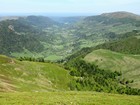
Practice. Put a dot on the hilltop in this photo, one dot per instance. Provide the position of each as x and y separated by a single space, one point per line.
121 14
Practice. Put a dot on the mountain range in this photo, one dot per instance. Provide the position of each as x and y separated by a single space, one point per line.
71 53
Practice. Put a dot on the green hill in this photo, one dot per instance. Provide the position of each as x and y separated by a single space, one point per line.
31 76
129 65
115 18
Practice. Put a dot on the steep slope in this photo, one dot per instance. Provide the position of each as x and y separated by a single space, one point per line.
128 65
24 33
15 36
31 76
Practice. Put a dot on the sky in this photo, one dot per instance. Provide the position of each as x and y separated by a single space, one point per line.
71 7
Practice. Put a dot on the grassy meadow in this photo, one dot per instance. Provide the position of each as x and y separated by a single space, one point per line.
67 98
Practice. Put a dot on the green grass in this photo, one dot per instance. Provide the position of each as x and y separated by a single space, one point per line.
129 65
67 98
32 76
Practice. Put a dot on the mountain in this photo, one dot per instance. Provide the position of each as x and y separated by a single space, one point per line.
116 18
121 14
94 30
24 33
31 76
57 38
40 21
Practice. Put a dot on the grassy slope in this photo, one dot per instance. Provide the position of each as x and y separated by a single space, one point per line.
31 76
129 65
67 98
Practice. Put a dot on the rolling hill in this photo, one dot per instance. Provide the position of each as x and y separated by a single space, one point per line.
31 76
128 65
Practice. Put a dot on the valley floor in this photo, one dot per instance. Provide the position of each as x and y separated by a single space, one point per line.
67 98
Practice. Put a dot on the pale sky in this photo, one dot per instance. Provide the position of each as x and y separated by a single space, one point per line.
68 6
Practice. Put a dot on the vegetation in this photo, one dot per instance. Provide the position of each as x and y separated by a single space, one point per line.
130 45
67 98
128 65
56 40
89 77
36 39
31 59
32 76
16 36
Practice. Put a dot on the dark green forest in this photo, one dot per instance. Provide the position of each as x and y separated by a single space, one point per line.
88 77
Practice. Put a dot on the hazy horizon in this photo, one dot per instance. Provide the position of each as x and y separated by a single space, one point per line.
49 14
66 7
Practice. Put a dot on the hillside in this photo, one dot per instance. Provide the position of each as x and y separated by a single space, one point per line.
130 45
31 76
15 36
95 30
128 65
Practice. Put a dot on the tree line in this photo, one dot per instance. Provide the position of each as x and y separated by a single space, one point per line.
89 77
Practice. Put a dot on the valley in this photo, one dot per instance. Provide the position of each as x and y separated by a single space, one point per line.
58 39
95 59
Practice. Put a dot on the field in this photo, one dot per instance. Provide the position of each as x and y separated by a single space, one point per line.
128 65
67 98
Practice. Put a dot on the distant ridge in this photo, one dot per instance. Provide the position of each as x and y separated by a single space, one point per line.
121 14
